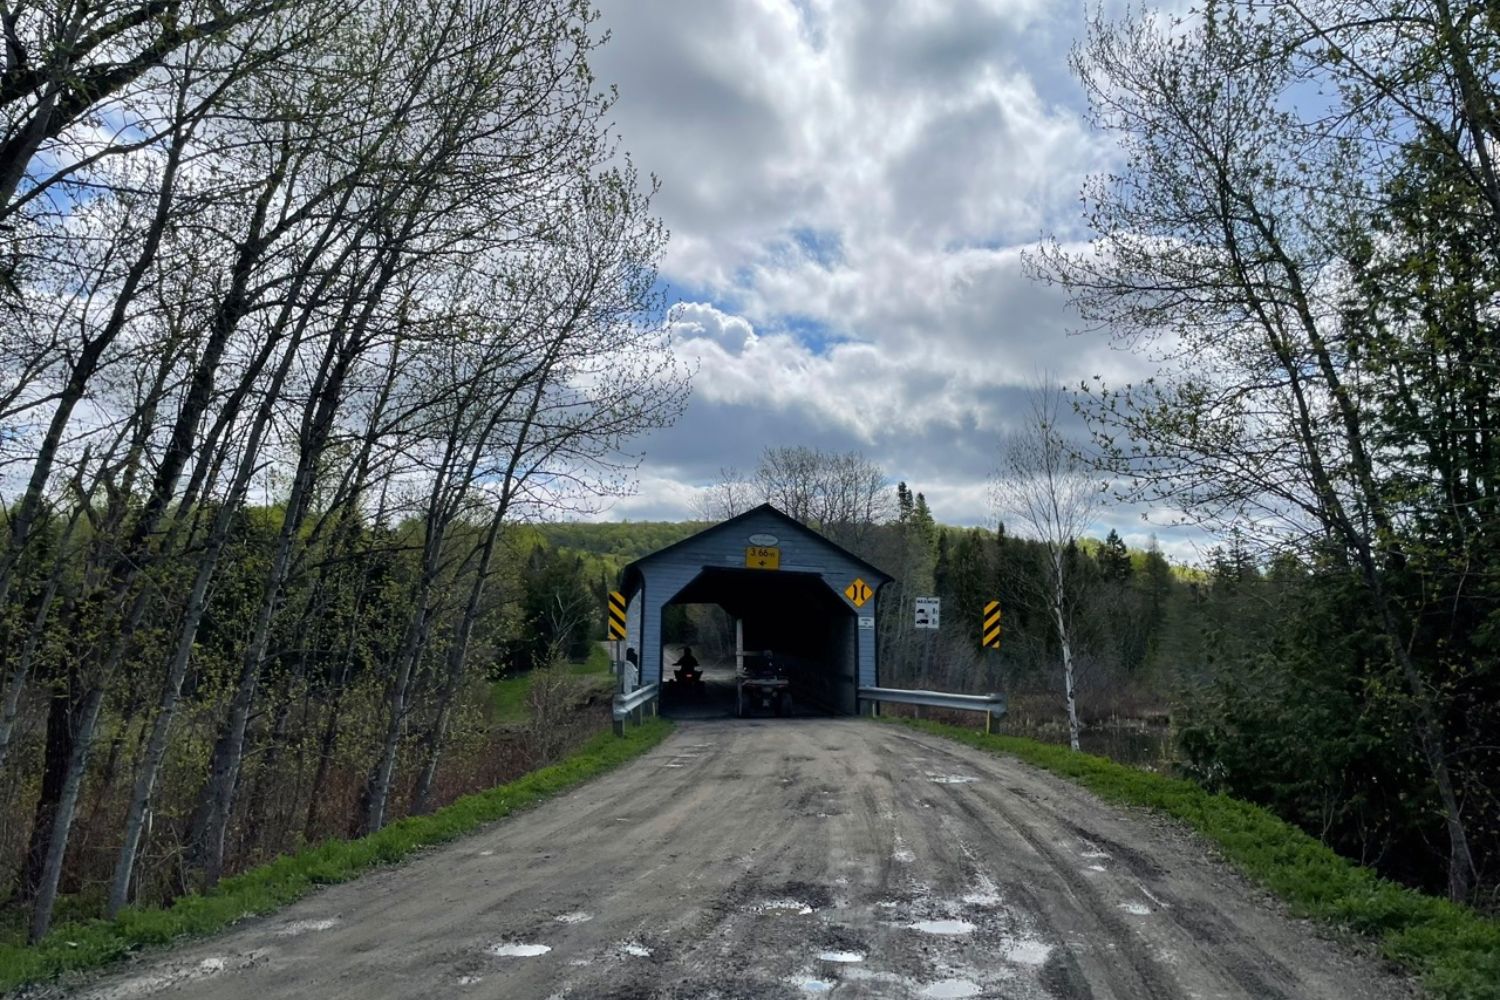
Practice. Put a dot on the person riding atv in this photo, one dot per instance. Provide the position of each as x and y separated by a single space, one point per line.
687 667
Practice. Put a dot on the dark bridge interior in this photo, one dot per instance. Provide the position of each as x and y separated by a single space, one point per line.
794 616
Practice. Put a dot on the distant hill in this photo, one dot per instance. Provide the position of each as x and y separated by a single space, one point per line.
619 542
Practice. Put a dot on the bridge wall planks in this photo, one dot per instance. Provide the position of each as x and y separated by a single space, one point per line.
653 581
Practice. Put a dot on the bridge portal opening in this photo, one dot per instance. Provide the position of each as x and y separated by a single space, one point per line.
789 624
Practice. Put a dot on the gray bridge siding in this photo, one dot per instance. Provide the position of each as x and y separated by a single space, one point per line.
665 574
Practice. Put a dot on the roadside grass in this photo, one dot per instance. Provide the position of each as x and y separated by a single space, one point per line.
88 945
509 696
1454 950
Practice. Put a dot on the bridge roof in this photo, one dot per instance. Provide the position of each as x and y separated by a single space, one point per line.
760 514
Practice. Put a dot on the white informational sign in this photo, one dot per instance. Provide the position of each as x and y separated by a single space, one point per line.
867 623
929 610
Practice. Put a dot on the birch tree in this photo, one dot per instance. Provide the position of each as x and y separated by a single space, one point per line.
1045 487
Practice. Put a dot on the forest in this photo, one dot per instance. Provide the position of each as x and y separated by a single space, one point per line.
305 307
325 329
1269 667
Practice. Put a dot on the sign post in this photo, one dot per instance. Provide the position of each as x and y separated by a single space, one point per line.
928 617
989 641
615 630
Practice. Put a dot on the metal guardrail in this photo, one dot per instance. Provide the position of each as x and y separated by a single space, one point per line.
641 696
992 705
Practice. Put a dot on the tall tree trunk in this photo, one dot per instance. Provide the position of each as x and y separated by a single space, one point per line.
1065 641
378 787
326 744
192 616
1355 536
58 750
15 684
211 818
62 819
453 679
260 796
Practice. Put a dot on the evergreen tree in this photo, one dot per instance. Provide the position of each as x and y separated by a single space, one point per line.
1114 559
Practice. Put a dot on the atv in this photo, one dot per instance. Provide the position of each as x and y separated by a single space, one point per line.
762 684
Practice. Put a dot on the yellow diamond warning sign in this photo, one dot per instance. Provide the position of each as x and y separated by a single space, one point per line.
858 592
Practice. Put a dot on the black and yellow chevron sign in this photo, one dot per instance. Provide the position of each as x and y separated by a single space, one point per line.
616 615
989 633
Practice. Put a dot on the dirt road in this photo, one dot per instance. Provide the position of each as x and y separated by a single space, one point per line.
782 859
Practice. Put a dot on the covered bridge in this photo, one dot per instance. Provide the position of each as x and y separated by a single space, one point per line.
790 589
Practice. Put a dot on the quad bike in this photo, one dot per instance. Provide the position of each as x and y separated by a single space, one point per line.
689 683
763 684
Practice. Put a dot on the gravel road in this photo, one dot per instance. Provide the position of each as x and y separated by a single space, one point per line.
787 858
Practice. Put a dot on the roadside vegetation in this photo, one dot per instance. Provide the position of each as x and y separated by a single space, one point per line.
307 311
87 945
1451 948
513 698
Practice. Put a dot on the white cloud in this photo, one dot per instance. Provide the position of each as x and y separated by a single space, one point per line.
850 185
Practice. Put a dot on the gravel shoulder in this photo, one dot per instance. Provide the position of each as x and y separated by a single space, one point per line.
787 858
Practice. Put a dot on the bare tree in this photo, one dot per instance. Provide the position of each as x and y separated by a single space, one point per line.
1229 247
730 495
337 266
1045 486
843 494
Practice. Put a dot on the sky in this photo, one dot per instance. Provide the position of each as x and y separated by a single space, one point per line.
850 186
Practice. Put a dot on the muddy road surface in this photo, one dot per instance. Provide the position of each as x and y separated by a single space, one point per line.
787 858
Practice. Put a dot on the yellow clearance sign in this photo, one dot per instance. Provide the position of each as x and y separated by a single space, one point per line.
762 557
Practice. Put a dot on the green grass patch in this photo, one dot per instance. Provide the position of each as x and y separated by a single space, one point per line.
1454 949
597 662
510 696
87 945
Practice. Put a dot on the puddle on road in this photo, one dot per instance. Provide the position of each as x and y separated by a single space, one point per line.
948 927
951 779
161 982
635 950
469 980
780 906
1136 909
1096 868
813 985
841 956
576 917
1028 952
517 950
950 989
1094 854
303 926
